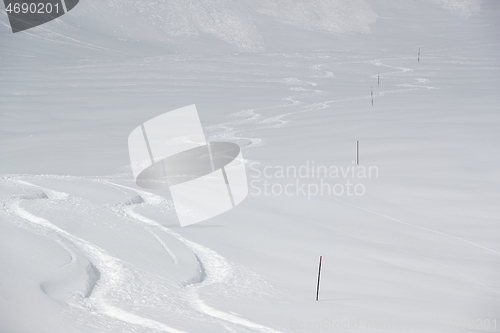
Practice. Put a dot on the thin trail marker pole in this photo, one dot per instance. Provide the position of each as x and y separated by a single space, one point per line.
357 152
372 94
378 81
319 276
419 54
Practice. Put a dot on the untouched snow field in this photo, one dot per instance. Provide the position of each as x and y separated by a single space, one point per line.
412 244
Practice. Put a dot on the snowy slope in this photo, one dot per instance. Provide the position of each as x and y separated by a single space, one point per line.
83 249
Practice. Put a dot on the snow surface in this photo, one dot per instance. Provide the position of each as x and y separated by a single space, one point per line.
83 249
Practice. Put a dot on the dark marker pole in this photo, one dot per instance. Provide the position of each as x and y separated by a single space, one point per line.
419 54
372 94
378 81
357 152
319 276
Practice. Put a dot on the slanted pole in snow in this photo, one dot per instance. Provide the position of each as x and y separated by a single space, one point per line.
319 276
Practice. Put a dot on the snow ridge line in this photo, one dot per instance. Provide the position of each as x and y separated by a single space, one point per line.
110 266
212 263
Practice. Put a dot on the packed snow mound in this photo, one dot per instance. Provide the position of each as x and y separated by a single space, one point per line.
336 16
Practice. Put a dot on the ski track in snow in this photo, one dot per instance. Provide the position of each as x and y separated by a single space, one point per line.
73 257
111 269
399 71
215 267
134 319
165 247
325 74
128 210
202 307
233 130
